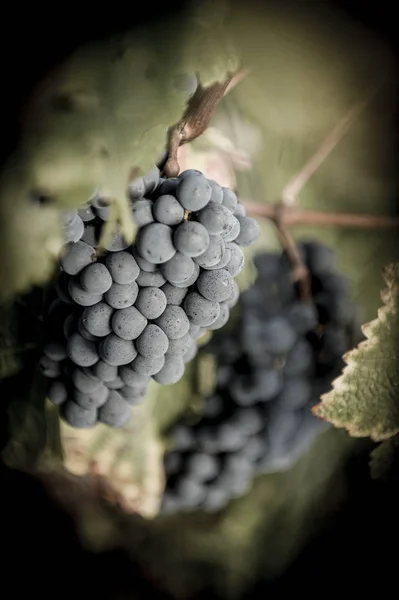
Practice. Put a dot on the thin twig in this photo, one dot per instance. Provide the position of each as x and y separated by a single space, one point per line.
293 216
300 273
293 188
195 121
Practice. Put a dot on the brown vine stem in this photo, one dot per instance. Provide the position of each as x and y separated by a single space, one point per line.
293 216
293 188
195 121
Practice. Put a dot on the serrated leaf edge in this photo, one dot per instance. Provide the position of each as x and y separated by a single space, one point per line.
388 295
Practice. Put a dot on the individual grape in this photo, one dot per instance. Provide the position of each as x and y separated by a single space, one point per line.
50 368
80 296
57 392
217 219
270 384
55 350
191 280
168 210
91 235
86 213
151 180
115 384
191 352
223 261
249 420
68 217
194 330
216 286
217 192
173 294
232 236
116 351
295 394
70 325
76 256
78 417
116 242
213 407
142 212
142 263
84 333
216 499
122 295
132 395
244 390
193 191
299 359
104 371
173 322
180 346
188 173
82 352
249 231
91 399
155 243
229 199
191 238
128 323
154 279
95 279
168 187
222 318
178 269
190 493
319 258
201 311
202 467
101 207
148 366
74 231
115 412
236 262
84 381
132 378
171 372
230 438
240 210
136 188
122 267
151 302
278 336
302 316
186 82
213 254
97 319
152 342
232 301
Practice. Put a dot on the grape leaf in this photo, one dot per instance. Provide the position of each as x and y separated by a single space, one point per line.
97 122
365 398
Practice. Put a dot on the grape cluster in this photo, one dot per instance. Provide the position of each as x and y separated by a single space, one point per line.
272 366
135 312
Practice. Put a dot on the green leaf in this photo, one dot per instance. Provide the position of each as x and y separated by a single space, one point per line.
100 119
34 439
364 399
